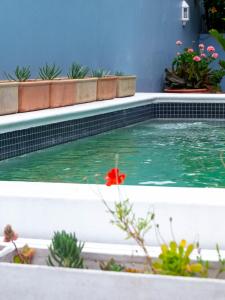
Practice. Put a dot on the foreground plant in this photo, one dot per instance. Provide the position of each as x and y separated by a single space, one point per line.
49 72
221 262
65 251
111 265
20 74
175 260
77 71
22 256
125 219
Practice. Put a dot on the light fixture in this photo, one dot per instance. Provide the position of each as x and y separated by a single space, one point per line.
185 17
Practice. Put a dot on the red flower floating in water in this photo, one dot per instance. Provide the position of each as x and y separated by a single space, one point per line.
114 177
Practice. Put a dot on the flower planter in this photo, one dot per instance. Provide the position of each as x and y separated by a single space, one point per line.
187 91
106 88
8 98
126 86
42 282
62 92
33 95
86 90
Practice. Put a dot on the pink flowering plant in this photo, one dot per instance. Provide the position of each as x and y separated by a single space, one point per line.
191 69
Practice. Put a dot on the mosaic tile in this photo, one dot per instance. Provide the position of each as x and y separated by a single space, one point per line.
32 139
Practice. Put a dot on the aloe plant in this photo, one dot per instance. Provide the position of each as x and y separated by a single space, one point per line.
49 72
65 251
100 73
77 71
20 74
119 73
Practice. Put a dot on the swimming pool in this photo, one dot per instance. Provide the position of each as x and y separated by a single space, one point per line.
161 153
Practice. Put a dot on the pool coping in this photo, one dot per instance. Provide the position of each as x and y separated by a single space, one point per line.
9 123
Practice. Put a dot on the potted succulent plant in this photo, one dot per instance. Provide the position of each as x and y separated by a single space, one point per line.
191 72
62 91
126 85
32 94
106 84
8 97
86 87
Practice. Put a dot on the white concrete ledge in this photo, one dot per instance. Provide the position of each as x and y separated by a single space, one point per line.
48 116
48 283
36 210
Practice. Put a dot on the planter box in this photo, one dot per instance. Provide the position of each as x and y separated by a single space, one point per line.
106 88
33 95
50 283
86 90
62 92
126 86
8 98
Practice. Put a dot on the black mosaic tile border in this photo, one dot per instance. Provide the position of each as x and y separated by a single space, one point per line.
32 139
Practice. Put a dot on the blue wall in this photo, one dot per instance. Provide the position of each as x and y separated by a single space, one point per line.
135 36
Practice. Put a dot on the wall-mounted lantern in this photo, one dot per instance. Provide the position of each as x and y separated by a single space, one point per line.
185 17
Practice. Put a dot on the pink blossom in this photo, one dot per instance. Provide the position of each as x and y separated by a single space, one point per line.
211 49
179 43
201 46
190 50
203 55
215 55
197 58
178 53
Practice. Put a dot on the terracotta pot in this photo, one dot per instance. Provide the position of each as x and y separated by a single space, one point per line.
62 92
8 97
33 95
106 88
188 91
86 90
126 86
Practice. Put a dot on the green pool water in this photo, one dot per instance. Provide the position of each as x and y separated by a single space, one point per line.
150 153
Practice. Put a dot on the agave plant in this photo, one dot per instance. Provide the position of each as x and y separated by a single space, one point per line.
49 72
100 73
20 74
65 251
119 73
77 71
